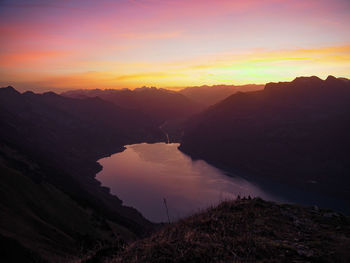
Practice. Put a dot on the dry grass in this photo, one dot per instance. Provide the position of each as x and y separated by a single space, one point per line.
246 231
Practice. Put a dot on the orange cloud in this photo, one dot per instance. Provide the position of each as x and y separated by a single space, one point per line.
153 75
31 58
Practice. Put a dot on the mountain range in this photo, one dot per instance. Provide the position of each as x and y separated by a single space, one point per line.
294 133
159 104
53 209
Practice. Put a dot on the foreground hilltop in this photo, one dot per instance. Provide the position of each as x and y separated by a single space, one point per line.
246 230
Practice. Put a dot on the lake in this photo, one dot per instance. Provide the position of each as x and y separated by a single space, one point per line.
145 174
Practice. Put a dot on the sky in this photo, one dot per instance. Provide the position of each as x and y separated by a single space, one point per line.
60 45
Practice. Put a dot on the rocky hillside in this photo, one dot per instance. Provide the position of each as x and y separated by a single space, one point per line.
245 231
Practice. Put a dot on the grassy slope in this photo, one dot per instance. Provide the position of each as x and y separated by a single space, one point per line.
247 231
46 220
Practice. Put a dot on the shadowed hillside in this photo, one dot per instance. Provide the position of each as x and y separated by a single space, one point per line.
291 132
50 201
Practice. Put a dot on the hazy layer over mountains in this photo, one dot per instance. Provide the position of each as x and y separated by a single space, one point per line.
162 104
159 104
209 95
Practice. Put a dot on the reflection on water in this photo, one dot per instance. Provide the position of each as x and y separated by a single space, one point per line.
144 174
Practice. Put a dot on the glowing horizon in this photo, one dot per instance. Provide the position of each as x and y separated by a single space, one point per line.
133 43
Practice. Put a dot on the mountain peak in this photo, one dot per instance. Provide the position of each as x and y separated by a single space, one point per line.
308 81
330 77
9 90
51 94
334 82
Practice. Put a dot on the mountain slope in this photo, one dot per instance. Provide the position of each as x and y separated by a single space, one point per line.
46 220
294 133
49 145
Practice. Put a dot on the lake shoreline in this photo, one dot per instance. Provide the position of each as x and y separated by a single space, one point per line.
291 193
159 170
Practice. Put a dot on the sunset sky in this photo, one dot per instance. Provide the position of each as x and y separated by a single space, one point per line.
170 43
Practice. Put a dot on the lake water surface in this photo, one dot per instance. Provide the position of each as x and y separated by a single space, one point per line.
144 174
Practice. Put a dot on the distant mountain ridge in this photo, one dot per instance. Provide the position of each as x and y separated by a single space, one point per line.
292 132
159 104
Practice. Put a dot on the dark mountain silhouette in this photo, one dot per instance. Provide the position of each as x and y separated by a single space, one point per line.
160 104
210 95
50 201
52 208
295 133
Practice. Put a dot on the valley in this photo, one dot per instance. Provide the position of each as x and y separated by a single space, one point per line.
112 166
